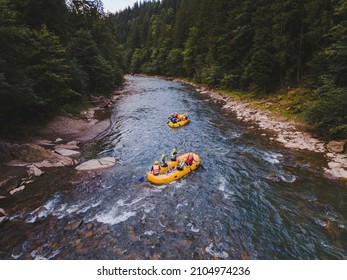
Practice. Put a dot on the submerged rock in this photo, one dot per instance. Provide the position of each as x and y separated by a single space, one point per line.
17 190
73 225
3 219
97 164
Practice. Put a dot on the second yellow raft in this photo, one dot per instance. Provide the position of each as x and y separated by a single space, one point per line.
184 121
165 177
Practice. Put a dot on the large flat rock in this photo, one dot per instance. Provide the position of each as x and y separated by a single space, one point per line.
67 153
94 164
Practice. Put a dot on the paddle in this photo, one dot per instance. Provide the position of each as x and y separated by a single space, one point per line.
141 179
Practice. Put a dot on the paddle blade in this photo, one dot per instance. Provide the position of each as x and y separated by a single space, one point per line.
141 179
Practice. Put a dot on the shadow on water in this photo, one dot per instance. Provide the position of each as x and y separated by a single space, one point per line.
250 200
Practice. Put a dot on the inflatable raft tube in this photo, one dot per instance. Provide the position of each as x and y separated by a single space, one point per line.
166 177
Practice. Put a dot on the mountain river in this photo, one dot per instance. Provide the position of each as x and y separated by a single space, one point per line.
250 198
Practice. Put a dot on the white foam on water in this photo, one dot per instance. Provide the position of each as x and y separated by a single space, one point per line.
272 157
114 217
43 211
235 135
120 202
179 184
222 187
73 208
86 208
288 178
16 257
158 189
214 253
121 211
37 256
179 205
150 232
149 208
66 209
192 228
320 222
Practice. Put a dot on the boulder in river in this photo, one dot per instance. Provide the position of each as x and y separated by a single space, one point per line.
67 153
72 145
97 164
33 170
73 225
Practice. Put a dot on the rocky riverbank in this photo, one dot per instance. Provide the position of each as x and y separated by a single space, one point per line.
288 133
53 146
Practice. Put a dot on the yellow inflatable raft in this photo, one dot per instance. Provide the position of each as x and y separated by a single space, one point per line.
165 177
184 119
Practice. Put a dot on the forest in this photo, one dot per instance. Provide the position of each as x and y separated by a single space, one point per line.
57 53
54 55
260 46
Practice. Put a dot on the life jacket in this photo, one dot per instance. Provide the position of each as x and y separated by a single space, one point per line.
181 164
173 156
156 169
190 159
162 162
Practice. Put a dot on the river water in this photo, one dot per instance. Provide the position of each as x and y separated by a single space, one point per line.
250 199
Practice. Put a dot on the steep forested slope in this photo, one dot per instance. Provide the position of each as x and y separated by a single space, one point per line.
52 53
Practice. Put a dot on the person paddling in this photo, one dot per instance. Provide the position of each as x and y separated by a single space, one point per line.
190 159
163 162
172 119
182 164
156 168
173 155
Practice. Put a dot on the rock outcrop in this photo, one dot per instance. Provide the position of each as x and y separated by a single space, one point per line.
35 157
336 146
32 154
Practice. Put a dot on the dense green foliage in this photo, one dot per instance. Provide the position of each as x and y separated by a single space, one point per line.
60 52
258 45
53 53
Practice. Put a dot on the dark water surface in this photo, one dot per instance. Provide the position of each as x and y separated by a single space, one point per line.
251 199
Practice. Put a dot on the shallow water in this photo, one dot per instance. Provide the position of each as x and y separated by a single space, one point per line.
250 199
